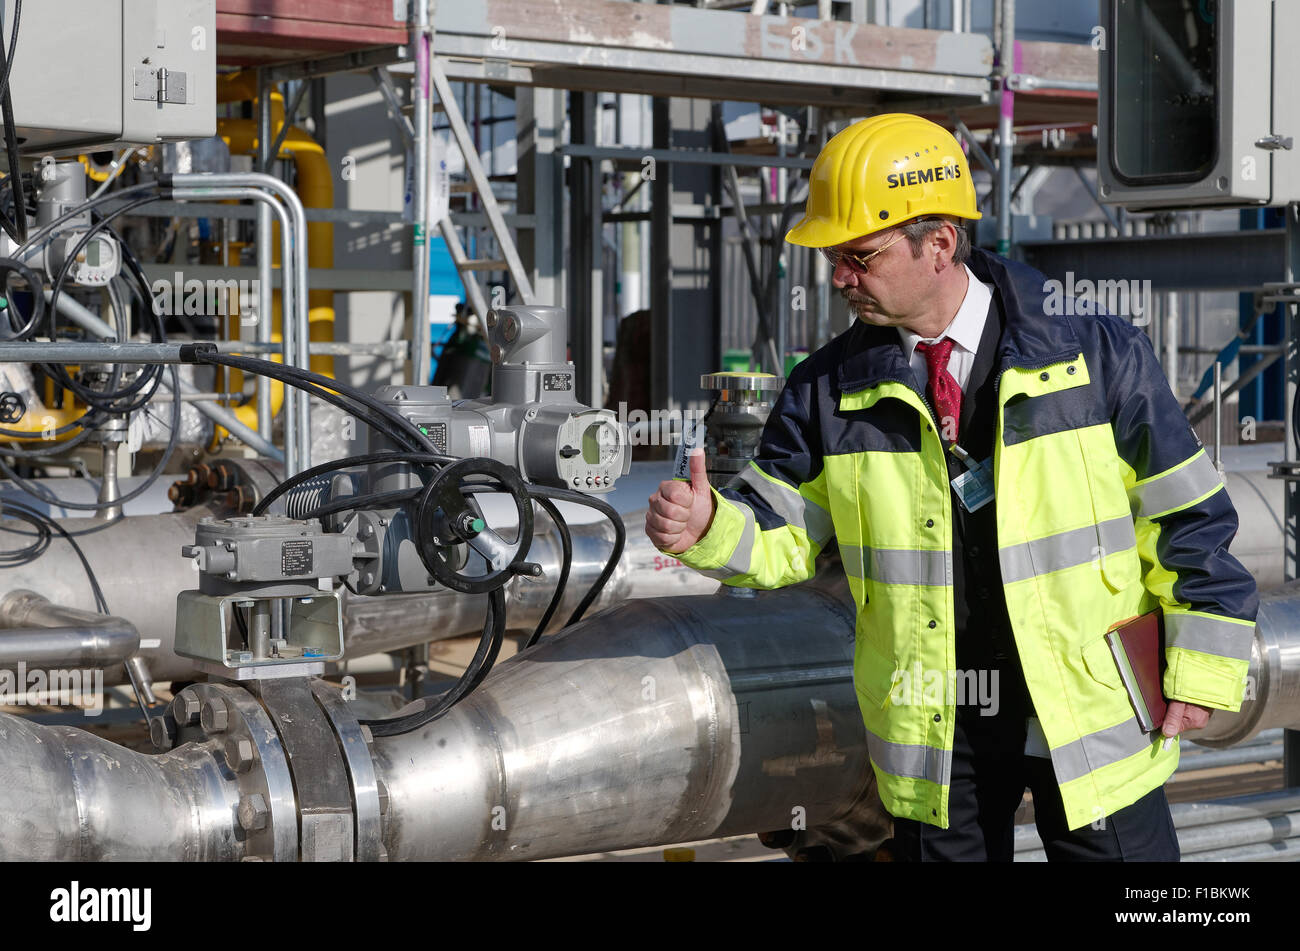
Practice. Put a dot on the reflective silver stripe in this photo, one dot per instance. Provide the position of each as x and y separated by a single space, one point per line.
788 503
1066 549
738 563
912 762
897 565
1209 635
1100 749
1176 489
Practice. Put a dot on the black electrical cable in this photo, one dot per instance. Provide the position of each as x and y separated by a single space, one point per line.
87 235
30 516
172 438
365 459
397 427
375 500
494 625
566 562
86 422
21 556
494 628
76 212
10 266
17 228
7 54
108 400
620 540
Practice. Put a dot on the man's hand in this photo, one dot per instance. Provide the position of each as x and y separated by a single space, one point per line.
1183 716
681 512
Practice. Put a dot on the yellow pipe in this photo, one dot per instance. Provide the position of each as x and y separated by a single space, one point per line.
41 420
315 186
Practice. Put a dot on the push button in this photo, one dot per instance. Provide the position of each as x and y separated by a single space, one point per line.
934 624
929 523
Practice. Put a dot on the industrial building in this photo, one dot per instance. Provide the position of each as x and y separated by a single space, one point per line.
342 341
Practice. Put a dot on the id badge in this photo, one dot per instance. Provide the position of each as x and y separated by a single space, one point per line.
693 433
974 487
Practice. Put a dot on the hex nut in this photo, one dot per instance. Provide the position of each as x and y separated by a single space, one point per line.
214 717
186 709
240 755
253 813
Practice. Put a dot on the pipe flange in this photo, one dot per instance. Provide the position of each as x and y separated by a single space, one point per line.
244 741
368 798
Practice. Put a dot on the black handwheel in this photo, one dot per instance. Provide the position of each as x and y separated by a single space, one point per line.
448 516
12 407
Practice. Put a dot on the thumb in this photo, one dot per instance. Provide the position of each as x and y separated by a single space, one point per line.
699 478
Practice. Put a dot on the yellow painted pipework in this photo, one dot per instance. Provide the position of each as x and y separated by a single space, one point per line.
315 186
40 420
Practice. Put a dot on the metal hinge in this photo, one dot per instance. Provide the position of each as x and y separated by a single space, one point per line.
160 85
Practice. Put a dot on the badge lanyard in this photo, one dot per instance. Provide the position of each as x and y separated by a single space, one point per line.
974 487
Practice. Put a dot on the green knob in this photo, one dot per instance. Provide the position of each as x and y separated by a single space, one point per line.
478 525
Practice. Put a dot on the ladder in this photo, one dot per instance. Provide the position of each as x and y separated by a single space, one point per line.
479 184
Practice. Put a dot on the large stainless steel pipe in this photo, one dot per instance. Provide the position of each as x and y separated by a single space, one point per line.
41 634
390 622
655 722
72 796
659 721
1273 684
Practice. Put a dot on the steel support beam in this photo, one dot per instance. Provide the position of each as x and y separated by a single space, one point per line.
586 254
540 123
1214 261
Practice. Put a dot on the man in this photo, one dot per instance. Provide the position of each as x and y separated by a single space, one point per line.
1005 488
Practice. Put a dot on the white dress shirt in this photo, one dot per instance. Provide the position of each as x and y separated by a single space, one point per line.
965 330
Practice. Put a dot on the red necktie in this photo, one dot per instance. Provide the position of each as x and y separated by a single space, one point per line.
943 389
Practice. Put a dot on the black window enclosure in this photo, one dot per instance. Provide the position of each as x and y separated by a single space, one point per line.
1164 90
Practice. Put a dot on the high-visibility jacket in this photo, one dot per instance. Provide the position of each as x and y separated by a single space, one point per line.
1107 508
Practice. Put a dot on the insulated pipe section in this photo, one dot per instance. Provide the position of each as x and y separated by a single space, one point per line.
42 634
224 417
84 799
656 722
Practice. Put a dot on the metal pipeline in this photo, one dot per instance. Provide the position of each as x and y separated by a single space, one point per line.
655 722
371 624
42 634
1272 696
83 798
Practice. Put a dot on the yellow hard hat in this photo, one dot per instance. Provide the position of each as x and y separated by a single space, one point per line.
882 171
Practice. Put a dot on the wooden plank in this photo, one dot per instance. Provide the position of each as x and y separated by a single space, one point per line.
372 13
673 28
300 35
1070 61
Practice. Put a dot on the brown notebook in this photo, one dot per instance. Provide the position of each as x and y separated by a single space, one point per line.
1139 653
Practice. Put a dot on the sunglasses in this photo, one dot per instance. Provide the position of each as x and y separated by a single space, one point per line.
858 262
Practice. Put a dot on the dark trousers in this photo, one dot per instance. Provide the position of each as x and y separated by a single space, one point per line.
990 772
